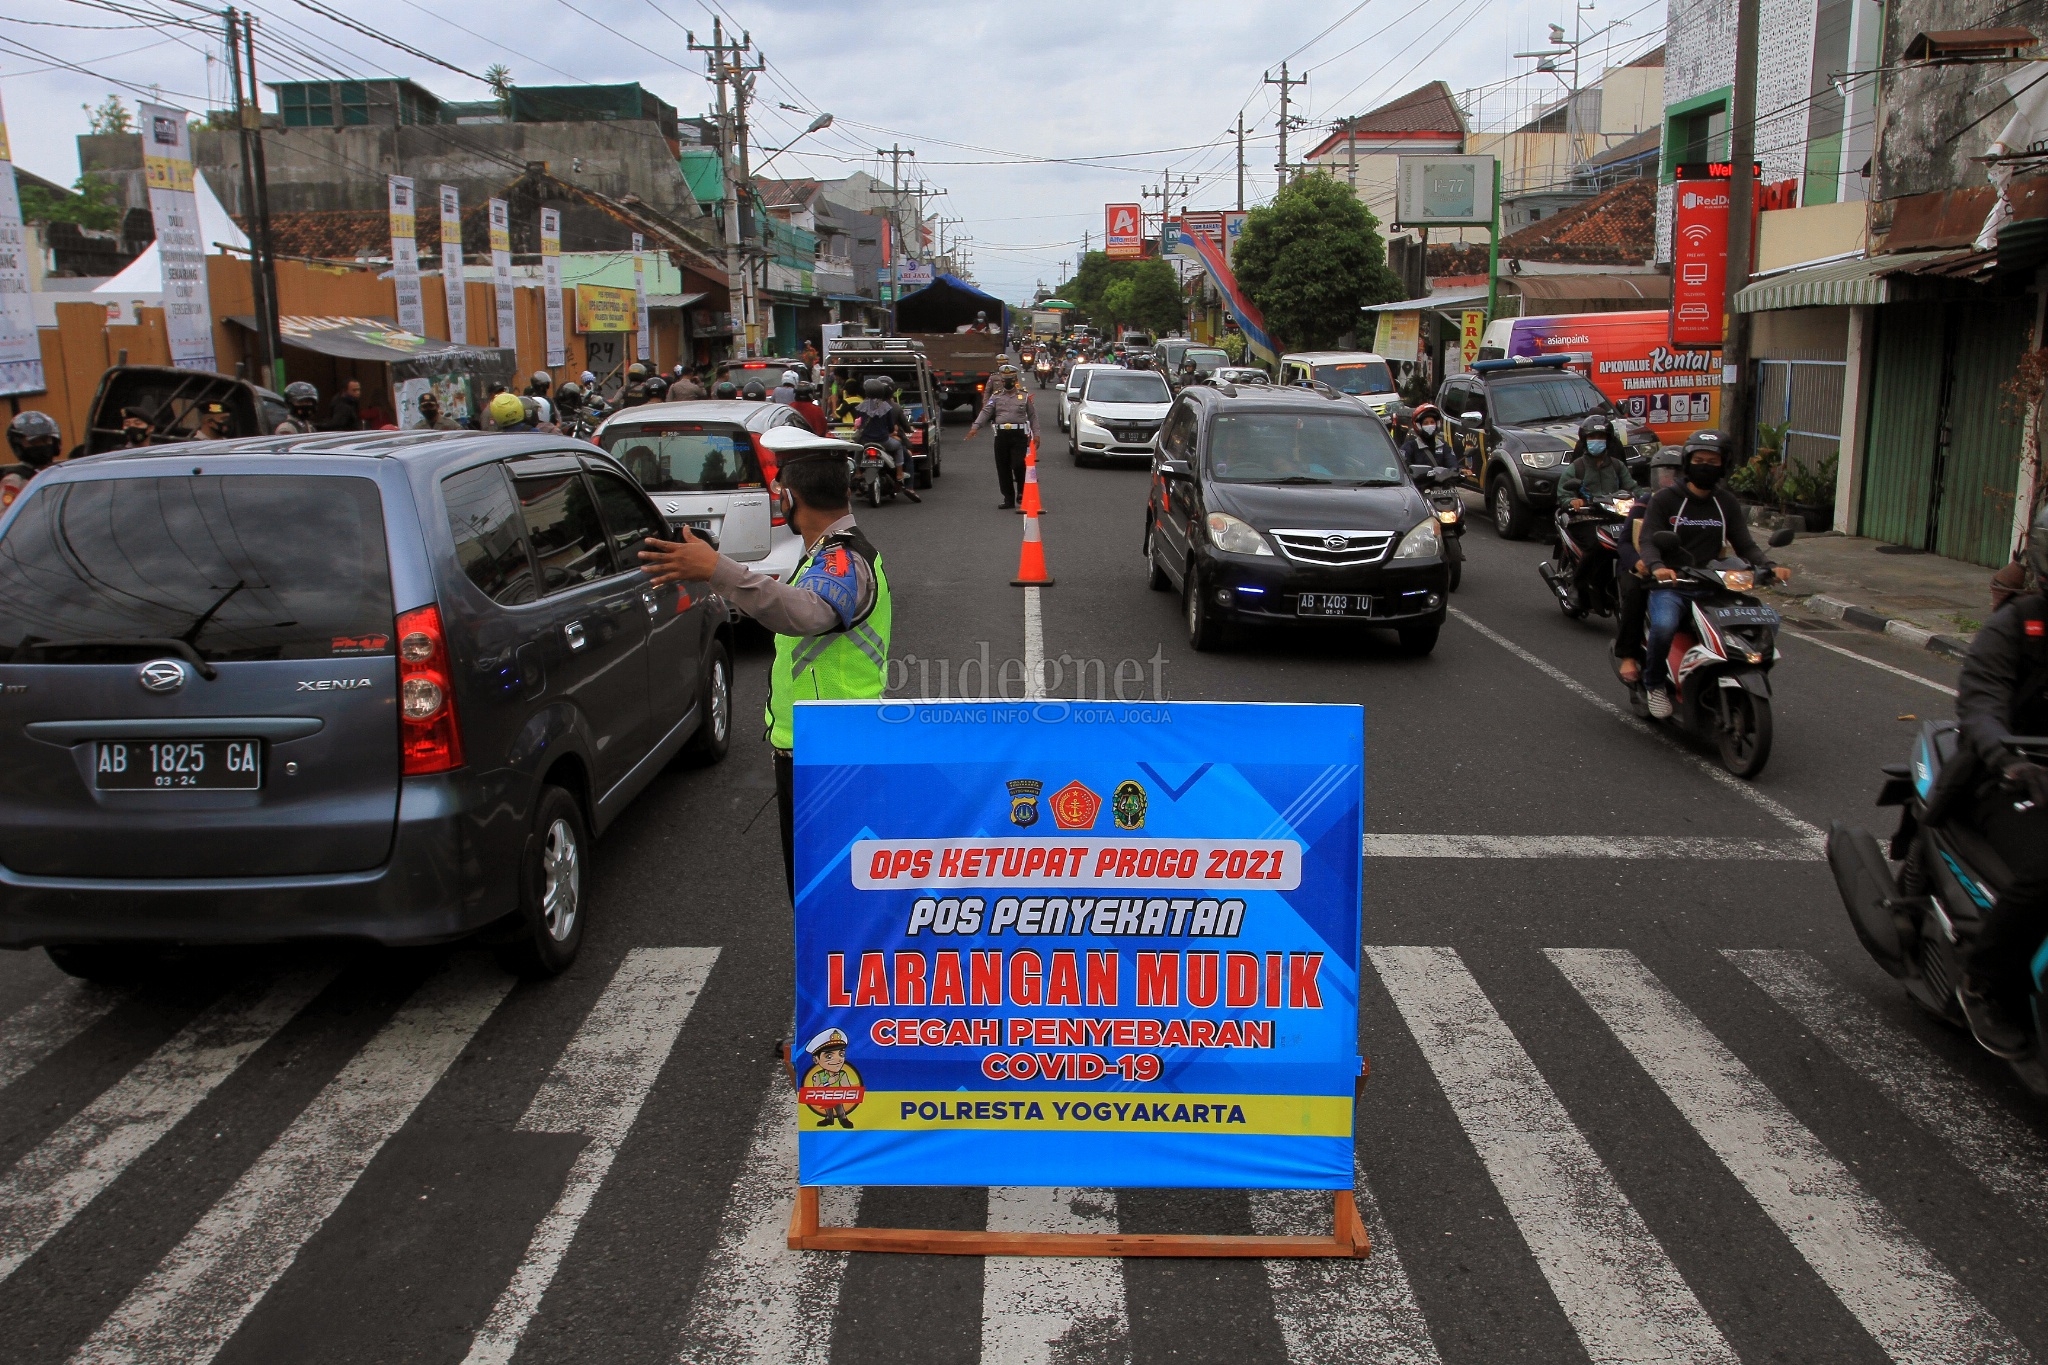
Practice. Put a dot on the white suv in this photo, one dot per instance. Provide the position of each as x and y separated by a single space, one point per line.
1118 415
704 466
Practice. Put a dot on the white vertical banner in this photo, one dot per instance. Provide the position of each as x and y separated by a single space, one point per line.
451 266
551 285
501 273
167 169
405 255
21 353
643 343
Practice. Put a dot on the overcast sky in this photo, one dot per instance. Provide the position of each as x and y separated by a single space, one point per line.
999 101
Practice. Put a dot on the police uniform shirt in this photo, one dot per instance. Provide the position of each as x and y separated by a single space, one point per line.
828 593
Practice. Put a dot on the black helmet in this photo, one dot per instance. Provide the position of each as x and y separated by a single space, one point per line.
726 389
753 392
1698 472
299 391
35 437
542 380
876 387
636 371
572 389
1597 424
1707 440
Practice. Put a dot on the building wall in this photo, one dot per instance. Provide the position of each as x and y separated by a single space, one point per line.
1631 100
1932 120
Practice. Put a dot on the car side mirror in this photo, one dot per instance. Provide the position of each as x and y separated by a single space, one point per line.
1473 419
1783 537
1174 469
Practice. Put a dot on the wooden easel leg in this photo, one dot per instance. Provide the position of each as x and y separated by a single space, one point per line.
1350 1227
803 1219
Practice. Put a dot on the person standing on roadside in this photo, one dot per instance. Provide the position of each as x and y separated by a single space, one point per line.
1016 424
431 416
831 618
685 389
347 413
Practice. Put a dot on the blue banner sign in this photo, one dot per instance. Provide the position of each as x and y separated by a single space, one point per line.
1078 943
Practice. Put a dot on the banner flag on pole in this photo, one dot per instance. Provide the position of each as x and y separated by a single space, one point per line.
451 266
21 353
167 169
405 256
551 285
501 272
643 345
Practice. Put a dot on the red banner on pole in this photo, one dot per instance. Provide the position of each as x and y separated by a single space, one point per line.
1124 235
1699 264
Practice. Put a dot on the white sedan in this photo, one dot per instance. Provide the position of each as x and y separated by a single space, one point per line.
1118 415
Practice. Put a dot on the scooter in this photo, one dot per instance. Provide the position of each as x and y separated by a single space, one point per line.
1044 371
1918 925
1608 517
1720 661
873 479
1440 486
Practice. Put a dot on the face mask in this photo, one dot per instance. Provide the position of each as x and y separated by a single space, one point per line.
1702 475
1597 446
1429 428
1009 383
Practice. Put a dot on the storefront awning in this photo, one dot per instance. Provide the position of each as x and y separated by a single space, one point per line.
376 339
1835 284
1651 289
672 300
1455 300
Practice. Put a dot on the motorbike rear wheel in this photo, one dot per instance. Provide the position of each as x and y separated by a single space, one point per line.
874 490
1745 741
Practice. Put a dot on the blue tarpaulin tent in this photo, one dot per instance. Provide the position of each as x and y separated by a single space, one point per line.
946 303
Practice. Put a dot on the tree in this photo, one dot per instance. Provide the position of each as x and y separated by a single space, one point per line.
1115 304
1156 303
111 116
1152 301
1311 259
499 77
92 207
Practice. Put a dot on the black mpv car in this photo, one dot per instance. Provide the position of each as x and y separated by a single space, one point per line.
378 686
1274 506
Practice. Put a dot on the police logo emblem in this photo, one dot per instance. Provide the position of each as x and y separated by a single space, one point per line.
1128 805
1024 802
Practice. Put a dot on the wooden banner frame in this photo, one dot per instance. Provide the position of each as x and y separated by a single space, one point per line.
1347 1238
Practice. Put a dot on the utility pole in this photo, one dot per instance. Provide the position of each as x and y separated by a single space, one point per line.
263 240
736 294
1736 417
1240 161
1286 94
266 360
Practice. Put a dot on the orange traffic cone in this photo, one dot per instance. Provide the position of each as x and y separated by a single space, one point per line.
1031 559
1029 503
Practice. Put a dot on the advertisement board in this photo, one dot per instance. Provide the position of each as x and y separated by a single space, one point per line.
1443 191
405 256
21 351
1123 231
501 272
643 333
167 170
551 286
1699 263
452 286
603 308
1398 336
1077 944
1673 391
916 275
1471 334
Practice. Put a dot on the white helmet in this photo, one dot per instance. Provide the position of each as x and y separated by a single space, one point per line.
588 379
789 377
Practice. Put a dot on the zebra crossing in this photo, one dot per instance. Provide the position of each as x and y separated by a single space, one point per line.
1617 1287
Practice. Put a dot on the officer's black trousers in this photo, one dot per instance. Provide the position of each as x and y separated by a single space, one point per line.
1010 448
785 810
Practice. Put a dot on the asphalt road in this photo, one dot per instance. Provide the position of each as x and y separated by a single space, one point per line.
1636 1093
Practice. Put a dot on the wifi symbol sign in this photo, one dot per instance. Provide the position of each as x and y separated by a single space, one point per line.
1696 233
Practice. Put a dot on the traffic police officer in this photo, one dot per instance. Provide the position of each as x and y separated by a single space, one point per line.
1009 408
830 619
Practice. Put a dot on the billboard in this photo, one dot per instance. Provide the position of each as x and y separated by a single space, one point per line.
1699 263
452 287
501 272
405 256
1078 944
1123 231
551 285
1674 391
1443 191
173 208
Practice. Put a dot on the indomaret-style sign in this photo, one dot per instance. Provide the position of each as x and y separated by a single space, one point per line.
1073 943
1124 229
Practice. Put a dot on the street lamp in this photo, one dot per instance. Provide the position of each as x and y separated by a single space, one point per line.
818 124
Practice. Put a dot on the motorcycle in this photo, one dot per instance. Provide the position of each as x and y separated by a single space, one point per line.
1044 371
1720 660
1919 925
1440 486
1608 517
873 479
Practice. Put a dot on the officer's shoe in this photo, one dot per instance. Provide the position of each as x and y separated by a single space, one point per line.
1995 1030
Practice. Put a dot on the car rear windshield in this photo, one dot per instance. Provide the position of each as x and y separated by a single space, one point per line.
1554 397
1127 386
1206 362
1283 447
1359 376
245 566
686 457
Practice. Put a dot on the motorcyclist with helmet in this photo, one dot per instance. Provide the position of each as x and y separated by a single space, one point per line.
570 414
508 412
537 389
2003 692
877 421
726 389
1426 443
35 439
1704 516
1631 591
754 392
1596 472
304 401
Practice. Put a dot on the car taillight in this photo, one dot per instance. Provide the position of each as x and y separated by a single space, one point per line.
429 737
768 471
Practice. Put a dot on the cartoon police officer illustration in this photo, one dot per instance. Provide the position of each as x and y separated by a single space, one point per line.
831 1088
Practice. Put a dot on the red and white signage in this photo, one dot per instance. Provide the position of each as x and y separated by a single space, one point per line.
1125 231
1699 263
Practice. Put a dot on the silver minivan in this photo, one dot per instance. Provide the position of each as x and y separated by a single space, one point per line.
705 467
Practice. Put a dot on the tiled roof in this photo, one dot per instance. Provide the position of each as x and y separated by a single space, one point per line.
348 234
786 193
1616 227
1425 109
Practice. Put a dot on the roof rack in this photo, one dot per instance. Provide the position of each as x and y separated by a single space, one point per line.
1527 362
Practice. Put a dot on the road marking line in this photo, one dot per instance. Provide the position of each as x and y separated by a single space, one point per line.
47 1023
597 1088
1643 847
52 1184
758 1302
1331 1309
1907 1300
1611 1276
1713 770
1034 646
1037 1310
185 1310
1993 1143
1865 658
